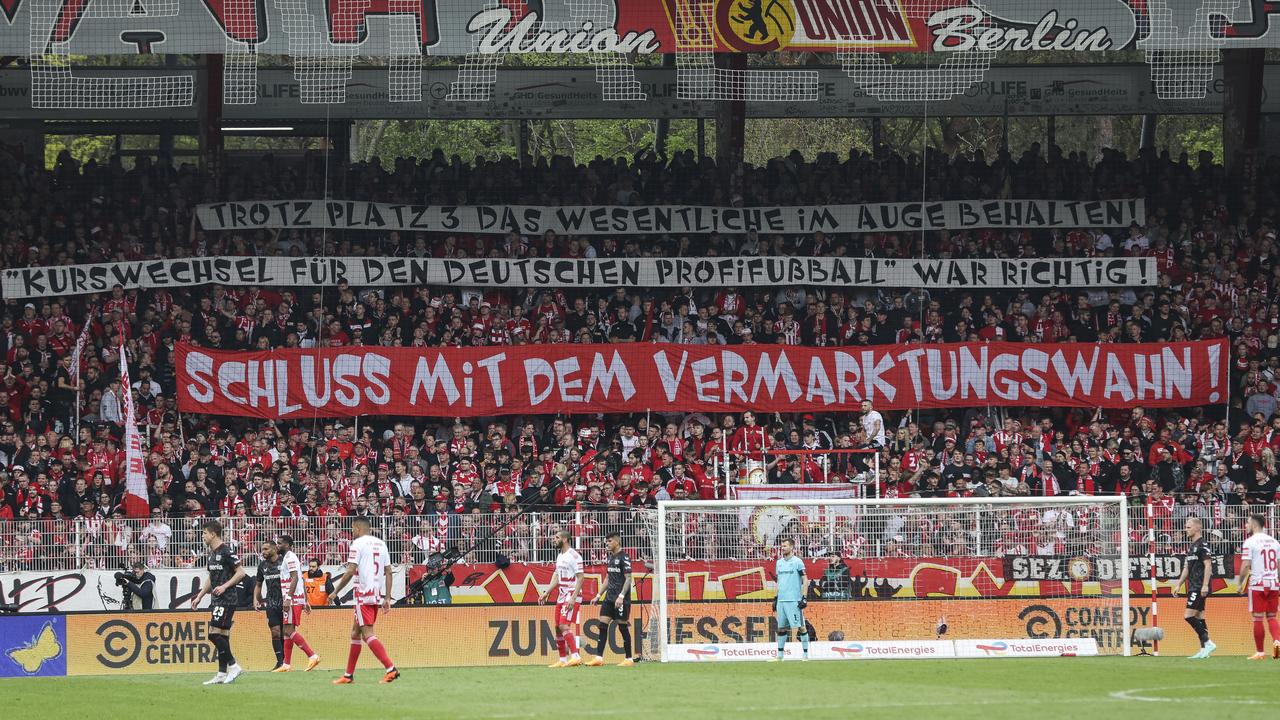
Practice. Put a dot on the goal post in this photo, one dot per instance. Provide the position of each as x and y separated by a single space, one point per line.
907 578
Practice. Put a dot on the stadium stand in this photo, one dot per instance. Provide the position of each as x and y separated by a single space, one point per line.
61 481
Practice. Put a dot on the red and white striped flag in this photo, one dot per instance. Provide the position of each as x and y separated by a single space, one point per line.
135 486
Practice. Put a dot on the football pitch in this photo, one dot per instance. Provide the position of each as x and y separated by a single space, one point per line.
1224 687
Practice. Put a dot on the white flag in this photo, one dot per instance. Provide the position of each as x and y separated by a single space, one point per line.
135 487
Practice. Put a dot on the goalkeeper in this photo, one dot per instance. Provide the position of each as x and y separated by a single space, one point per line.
790 601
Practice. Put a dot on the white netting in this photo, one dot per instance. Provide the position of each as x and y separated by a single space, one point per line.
240 62
54 86
878 76
404 65
1003 569
698 78
478 71
1183 44
322 68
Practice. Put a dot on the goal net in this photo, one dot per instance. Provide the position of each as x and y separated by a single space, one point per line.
917 578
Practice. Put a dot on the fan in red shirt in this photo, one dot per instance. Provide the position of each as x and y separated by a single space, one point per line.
708 484
750 440
1254 444
635 471
680 480
1179 454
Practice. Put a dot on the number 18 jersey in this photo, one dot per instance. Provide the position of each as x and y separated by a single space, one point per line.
1262 551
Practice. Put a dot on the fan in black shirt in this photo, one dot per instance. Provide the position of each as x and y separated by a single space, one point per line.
615 606
1197 571
222 585
267 596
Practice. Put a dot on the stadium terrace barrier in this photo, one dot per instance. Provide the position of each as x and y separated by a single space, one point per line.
68 546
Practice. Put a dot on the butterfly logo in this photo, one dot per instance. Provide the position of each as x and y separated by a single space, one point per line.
37 651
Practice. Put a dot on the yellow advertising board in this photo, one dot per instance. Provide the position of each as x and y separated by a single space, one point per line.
443 636
169 642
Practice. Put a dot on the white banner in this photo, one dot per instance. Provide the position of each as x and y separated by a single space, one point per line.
818 650
57 280
670 219
767 523
96 590
1023 648
135 486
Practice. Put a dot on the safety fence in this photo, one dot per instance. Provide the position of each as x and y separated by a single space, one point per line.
107 543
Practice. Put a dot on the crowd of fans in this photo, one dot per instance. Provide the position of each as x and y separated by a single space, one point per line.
1214 252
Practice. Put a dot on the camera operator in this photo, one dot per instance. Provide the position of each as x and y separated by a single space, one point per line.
138 584
836 582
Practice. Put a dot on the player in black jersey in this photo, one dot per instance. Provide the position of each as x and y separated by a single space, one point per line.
222 585
267 596
615 606
1197 571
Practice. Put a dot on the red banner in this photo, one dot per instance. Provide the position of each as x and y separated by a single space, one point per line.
879 578
888 25
449 382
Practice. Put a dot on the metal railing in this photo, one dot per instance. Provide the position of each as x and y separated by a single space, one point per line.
47 545
39 545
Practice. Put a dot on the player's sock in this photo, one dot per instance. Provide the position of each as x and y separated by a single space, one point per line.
1274 626
352 656
226 643
1194 622
297 639
561 646
379 651
1203 631
219 651
571 643
626 639
804 643
782 644
288 650
277 646
604 639
1259 634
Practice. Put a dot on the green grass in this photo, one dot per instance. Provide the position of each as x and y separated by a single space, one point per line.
1090 688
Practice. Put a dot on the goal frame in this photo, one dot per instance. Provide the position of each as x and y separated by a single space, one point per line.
1120 501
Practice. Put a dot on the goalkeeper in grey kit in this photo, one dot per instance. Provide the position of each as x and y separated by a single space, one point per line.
790 603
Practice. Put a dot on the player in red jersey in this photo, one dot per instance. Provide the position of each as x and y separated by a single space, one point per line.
370 563
1259 565
567 585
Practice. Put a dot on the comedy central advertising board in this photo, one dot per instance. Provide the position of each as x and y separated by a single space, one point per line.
178 642
170 642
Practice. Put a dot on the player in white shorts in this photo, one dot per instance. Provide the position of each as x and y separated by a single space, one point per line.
567 586
294 591
370 564
1259 565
